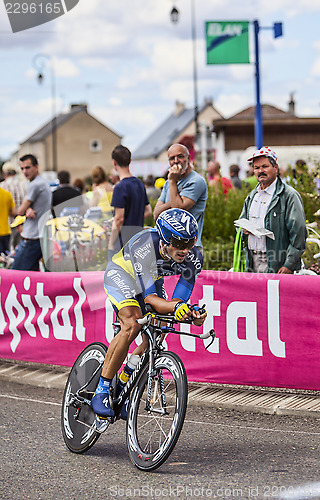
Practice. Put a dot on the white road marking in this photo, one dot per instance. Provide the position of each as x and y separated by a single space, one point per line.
264 429
29 400
228 426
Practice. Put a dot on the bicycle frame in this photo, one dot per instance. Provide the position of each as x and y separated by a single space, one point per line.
154 334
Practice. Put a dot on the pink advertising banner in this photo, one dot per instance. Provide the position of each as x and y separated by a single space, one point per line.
267 326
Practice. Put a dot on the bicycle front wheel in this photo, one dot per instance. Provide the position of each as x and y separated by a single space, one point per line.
78 419
152 432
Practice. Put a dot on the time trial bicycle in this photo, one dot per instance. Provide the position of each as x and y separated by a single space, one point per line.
157 388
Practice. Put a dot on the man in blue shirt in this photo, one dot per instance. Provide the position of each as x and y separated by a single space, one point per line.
129 200
184 189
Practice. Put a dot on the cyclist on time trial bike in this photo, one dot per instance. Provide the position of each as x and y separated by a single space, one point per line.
134 277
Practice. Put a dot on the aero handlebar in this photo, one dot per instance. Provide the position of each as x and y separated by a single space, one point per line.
170 319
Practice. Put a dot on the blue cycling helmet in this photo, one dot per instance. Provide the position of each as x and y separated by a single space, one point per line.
177 227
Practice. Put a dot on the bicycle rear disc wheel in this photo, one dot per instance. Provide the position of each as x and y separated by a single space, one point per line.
78 420
153 433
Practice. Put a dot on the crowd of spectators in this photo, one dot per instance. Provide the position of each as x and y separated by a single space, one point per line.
124 199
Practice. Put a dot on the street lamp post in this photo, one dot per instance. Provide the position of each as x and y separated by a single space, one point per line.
195 73
174 18
39 62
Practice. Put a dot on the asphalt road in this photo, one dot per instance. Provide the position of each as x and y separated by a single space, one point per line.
220 454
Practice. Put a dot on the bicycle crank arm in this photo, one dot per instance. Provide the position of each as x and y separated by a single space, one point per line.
76 398
92 426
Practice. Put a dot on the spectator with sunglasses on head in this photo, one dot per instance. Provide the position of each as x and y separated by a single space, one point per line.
184 188
135 277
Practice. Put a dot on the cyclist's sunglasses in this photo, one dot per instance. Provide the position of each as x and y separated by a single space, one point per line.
182 244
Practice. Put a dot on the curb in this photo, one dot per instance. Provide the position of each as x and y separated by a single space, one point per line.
258 400
271 401
37 374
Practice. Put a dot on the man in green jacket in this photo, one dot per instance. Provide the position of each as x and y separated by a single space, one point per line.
278 208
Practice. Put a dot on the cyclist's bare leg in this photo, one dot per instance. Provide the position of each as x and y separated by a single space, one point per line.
142 347
119 346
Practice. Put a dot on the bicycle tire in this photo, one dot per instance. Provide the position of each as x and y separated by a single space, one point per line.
152 436
78 433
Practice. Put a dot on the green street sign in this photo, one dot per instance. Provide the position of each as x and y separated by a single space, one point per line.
227 42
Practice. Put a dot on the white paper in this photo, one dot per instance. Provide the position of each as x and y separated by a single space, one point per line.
253 228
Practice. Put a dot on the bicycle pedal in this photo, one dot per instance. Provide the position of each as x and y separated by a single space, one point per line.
102 424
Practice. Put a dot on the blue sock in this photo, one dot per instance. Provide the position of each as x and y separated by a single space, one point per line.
103 386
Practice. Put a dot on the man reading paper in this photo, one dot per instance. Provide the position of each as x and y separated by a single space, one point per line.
278 208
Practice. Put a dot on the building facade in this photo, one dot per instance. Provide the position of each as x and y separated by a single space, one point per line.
290 136
75 141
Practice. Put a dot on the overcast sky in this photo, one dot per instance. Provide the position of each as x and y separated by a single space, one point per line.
130 64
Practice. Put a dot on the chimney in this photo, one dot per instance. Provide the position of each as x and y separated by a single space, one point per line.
180 107
291 104
79 107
